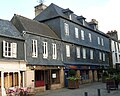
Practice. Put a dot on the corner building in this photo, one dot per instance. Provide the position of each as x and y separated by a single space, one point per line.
84 47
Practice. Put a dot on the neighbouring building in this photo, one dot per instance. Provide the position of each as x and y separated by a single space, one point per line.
84 47
115 49
43 54
12 57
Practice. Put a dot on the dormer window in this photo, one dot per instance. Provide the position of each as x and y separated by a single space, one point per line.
81 19
94 24
68 12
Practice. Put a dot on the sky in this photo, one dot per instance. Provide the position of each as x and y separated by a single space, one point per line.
106 12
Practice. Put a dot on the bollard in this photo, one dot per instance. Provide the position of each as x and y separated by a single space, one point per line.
108 90
21 93
25 93
86 93
99 92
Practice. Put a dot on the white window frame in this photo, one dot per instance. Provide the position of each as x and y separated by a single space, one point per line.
98 39
91 54
34 48
103 56
66 28
54 51
90 37
100 56
84 53
45 50
70 17
78 52
67 50
9 49
102 41
76 33
82 35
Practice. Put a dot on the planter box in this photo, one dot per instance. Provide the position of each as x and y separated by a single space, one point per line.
111 84
73 84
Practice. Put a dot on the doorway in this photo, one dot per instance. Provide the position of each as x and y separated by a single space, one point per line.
48 79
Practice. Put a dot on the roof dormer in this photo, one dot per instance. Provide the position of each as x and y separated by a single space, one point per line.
94 24
81 19
68 12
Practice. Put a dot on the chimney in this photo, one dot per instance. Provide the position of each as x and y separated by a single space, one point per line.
113 34
39 8
94 24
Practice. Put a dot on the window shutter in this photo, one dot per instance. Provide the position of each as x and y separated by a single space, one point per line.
14 50
4 48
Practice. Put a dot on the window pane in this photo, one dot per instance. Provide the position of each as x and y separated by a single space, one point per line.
66 26
84 53
78 52
67 50
76 33
82 34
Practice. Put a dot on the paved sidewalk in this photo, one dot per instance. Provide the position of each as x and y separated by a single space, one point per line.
90 88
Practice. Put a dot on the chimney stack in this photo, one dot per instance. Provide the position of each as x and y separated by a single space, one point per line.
39 8
113 34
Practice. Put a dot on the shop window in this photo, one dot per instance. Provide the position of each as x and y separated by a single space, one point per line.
39 78
55 76
84 75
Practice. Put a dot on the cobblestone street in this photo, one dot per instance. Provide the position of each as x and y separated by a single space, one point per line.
91 88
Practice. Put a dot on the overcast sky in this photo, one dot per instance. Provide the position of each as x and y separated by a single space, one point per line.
106 12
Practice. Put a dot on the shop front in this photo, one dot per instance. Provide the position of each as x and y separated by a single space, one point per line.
85 73
12 75
47 77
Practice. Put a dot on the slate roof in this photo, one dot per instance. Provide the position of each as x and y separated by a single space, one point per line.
9 30
53 11
34 26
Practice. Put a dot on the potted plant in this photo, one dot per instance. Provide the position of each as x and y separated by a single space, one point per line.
113 79
72 79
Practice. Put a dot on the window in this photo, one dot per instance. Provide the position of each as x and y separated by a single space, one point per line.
82 35
84 53
70 17
91 54
54 51
103 56
90 38
100 56
78 52
45 50
66 26
76 33
102 41
83 22
99 40
67 50
55 76
9 49
34 48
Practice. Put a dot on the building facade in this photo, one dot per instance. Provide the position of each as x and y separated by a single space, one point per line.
12 57
115 49
85 48
43 54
